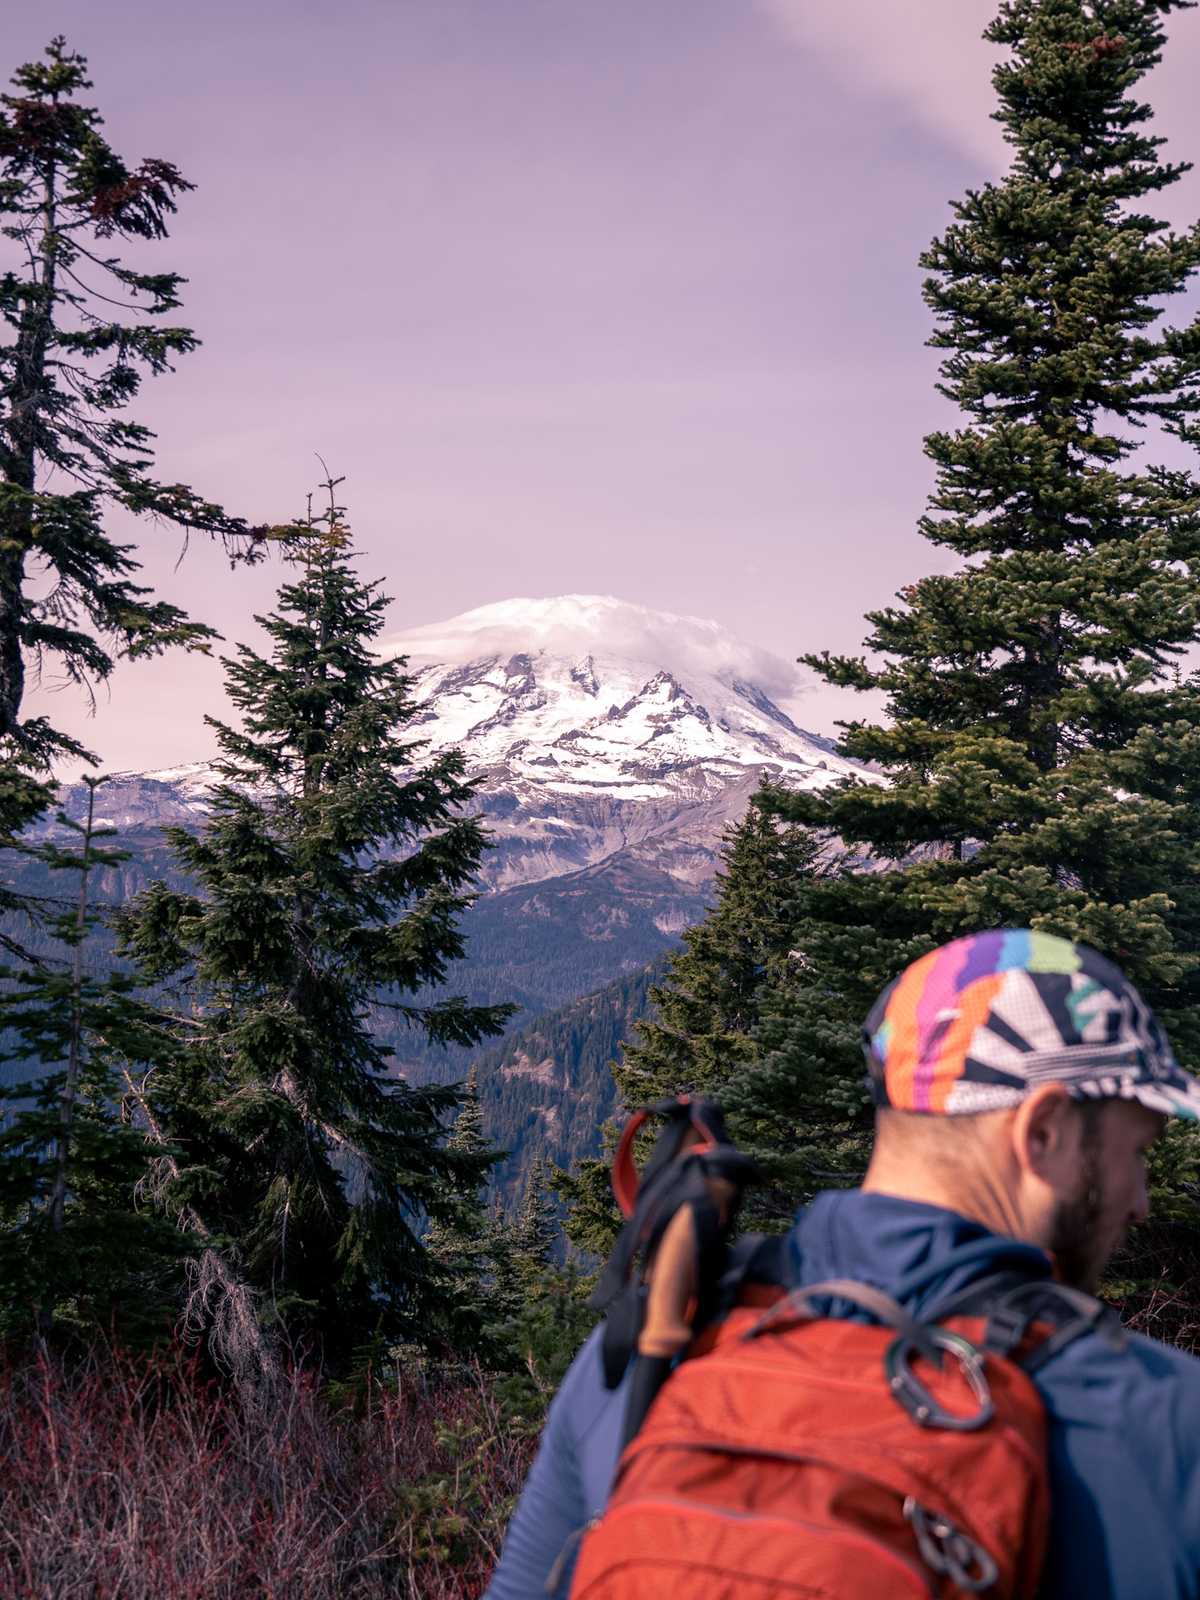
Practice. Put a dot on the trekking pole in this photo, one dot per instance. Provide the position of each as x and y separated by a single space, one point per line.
667 1261
671 1298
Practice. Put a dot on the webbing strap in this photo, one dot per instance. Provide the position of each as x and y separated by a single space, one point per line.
1100 1319
1011 1305
798 1304
625 1179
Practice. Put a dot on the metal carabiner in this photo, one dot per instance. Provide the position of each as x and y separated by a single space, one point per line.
916 1398
946 1549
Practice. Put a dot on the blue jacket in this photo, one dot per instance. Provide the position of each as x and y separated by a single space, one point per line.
1124 1425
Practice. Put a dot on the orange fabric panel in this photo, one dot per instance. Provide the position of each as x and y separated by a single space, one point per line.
780 1467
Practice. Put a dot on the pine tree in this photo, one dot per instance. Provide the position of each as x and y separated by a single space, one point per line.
68 371
548 1314
468 1244
329 882
26 794
75 1246
700 1033
1042 756
534 1230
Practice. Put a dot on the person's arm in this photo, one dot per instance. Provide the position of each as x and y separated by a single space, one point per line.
552 1508
1124 1457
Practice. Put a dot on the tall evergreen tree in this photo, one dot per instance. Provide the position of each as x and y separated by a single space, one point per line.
468 1244
75 1246
68 370
26 793
329 882
701 1035
548 1313
1042 756
534 1230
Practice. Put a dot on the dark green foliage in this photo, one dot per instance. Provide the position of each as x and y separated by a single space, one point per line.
534 1230
1043 750
702 1034
469 1244
329 882
25 795
541 1339
68 371
547 1316
547 1091
75 1247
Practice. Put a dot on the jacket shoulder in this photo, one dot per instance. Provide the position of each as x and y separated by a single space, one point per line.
1124 1456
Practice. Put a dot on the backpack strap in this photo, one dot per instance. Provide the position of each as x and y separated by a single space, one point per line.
755 1266
1072 1313
799 1306
1012 1304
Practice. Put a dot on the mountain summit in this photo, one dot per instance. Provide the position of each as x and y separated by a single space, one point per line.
597 727
585 692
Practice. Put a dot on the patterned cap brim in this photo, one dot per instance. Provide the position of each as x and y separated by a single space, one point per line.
1173 1099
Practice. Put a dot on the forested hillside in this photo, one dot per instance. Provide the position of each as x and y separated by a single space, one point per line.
576 955
547 1092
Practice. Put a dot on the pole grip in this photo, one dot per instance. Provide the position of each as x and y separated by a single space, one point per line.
666 1330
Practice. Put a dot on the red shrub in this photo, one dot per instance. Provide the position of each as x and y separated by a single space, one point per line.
134 1478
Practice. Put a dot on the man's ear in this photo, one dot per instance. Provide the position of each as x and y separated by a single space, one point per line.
1045 1133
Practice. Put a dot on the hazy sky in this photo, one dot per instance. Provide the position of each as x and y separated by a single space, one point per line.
600 296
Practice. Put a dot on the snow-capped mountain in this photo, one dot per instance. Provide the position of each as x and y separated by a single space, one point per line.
599 727
613 744
585 693
604 735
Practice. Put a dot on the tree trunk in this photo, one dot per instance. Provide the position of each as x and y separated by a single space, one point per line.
18 459
70 1091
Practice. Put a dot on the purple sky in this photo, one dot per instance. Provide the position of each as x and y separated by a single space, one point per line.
600 296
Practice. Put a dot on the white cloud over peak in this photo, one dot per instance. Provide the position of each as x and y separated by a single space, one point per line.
575 626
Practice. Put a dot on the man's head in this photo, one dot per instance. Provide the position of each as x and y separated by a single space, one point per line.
1021 1079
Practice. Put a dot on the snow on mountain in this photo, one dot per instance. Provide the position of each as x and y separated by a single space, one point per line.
600 728
586 693
606 737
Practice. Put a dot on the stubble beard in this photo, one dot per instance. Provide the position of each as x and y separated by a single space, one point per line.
1077 1244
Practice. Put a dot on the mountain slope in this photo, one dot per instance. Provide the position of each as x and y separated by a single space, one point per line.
597 726
547 1092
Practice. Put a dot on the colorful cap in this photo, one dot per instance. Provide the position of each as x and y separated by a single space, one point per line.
976 1025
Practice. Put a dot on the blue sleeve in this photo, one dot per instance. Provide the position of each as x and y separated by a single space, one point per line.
554 1505
1124 1456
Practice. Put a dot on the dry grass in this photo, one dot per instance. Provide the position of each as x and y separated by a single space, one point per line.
129 1478
1163 1299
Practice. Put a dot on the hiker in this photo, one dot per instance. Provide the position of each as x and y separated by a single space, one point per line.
1019 1082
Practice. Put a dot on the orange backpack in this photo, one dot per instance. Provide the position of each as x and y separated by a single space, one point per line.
800 1455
